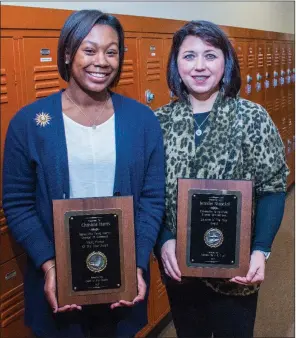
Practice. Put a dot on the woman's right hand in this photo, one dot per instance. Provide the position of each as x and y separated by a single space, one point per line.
50 289
169 260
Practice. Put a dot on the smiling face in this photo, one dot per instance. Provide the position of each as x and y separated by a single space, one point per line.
200 66
96 61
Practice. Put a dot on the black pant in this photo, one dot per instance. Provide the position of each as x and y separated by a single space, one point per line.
99 321
95 321
198 311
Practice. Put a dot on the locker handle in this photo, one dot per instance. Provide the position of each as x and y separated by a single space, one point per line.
10 275
149 96
275 83
258 86
266 83
249 78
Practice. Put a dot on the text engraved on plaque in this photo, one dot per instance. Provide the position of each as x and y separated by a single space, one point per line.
95 251
213 228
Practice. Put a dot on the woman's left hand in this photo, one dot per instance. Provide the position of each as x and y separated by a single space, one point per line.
141 292
256 271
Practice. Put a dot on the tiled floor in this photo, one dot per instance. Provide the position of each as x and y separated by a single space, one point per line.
275 313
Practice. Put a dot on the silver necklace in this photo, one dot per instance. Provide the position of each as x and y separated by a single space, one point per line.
198 130
93 123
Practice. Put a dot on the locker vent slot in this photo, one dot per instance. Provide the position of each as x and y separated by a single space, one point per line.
3 87
276 57
46 79
268 59
240 57
127 74
260 62
251 61
277 105
153 69
284 57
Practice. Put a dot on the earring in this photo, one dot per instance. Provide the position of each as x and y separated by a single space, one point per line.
67 62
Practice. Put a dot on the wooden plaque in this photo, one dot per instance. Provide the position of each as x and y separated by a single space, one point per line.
95 250
214 227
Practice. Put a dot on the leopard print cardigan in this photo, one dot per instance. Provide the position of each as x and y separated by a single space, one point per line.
240 142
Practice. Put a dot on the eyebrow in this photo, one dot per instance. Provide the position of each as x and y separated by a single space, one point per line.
210 50
188 51
95 44
206 51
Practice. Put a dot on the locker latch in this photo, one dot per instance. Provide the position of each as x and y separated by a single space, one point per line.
149 96
266 84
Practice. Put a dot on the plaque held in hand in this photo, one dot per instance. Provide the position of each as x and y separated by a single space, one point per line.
214 227
95 250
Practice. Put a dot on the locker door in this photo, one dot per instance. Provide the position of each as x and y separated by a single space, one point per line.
283 90
40 67
240 46
293 70
289 76
269 90
167 43
290 146
12 299
160 299
152 75
284 64
258 93
251 70
8 94
129 79
275 84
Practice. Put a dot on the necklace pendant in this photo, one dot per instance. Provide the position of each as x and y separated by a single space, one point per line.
198 132
94 126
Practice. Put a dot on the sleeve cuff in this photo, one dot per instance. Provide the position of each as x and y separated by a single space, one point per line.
142 259
164 236
39 248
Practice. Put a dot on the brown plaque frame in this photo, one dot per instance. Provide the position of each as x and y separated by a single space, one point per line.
123 206
245 187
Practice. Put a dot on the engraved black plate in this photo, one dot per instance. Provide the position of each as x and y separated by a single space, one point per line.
95 251
213 229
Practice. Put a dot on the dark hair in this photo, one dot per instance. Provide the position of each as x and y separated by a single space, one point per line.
212 34
76 28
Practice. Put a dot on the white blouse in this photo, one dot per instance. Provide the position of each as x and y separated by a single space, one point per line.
91 158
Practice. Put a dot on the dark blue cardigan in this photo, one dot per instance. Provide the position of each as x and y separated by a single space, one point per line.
36 171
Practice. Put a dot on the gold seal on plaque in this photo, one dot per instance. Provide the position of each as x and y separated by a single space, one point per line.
213 237
96 261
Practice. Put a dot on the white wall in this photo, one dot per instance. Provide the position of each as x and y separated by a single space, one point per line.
272 16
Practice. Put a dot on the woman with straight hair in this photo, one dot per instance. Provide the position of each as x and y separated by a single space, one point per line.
210 132
85 141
